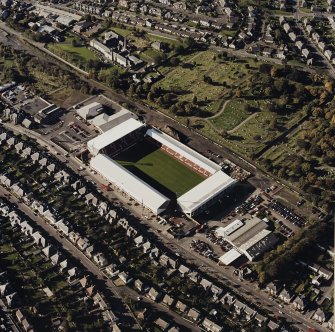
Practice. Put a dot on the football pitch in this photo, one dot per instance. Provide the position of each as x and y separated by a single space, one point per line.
158 169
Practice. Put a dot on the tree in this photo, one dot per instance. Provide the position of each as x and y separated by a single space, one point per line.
269 107
315 150
38 37
174 109
174 61
157 58
268 91
238 93
301 143
246 108
306 167
273 71
151 96
273 123
262 277
75 42
208 79
329 85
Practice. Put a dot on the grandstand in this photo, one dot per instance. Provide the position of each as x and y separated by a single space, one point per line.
154 168
131 184
205 194
116 139
186 155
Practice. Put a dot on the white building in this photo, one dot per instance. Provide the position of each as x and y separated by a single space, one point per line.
129 183
205 193
250 238
123 129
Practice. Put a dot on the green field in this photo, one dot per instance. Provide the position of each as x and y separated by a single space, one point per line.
122 32
75 54
161 171
232 116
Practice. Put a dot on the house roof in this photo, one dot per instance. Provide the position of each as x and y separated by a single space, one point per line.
194 314
167 299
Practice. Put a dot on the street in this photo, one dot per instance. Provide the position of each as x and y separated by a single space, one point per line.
119 292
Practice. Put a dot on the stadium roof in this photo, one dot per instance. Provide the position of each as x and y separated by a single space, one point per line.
131 184
113 135
184 150
230 256
205 191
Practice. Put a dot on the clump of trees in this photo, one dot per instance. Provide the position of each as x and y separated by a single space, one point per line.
276 264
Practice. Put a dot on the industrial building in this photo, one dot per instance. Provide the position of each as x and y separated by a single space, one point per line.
250 238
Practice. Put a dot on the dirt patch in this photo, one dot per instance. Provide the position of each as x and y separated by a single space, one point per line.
67 97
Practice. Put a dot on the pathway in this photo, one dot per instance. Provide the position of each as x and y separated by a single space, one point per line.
242 123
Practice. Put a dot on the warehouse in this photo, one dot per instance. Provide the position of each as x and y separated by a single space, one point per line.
250 238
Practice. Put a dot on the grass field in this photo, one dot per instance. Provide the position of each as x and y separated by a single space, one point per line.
232 116
162 172
74 54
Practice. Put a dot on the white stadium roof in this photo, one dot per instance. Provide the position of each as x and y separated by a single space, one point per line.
205 191
113 135
184 151
130 183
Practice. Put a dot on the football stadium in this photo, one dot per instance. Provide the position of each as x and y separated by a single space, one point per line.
157 170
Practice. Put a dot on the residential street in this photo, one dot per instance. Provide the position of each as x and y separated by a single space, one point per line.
120 293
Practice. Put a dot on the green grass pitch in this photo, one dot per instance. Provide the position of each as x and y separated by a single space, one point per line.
158 169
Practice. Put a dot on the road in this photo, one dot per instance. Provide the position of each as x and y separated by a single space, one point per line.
249 290
119 292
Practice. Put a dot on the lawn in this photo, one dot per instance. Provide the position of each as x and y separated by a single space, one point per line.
232 116
76 54
158 169
122 32
171 41
149 55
